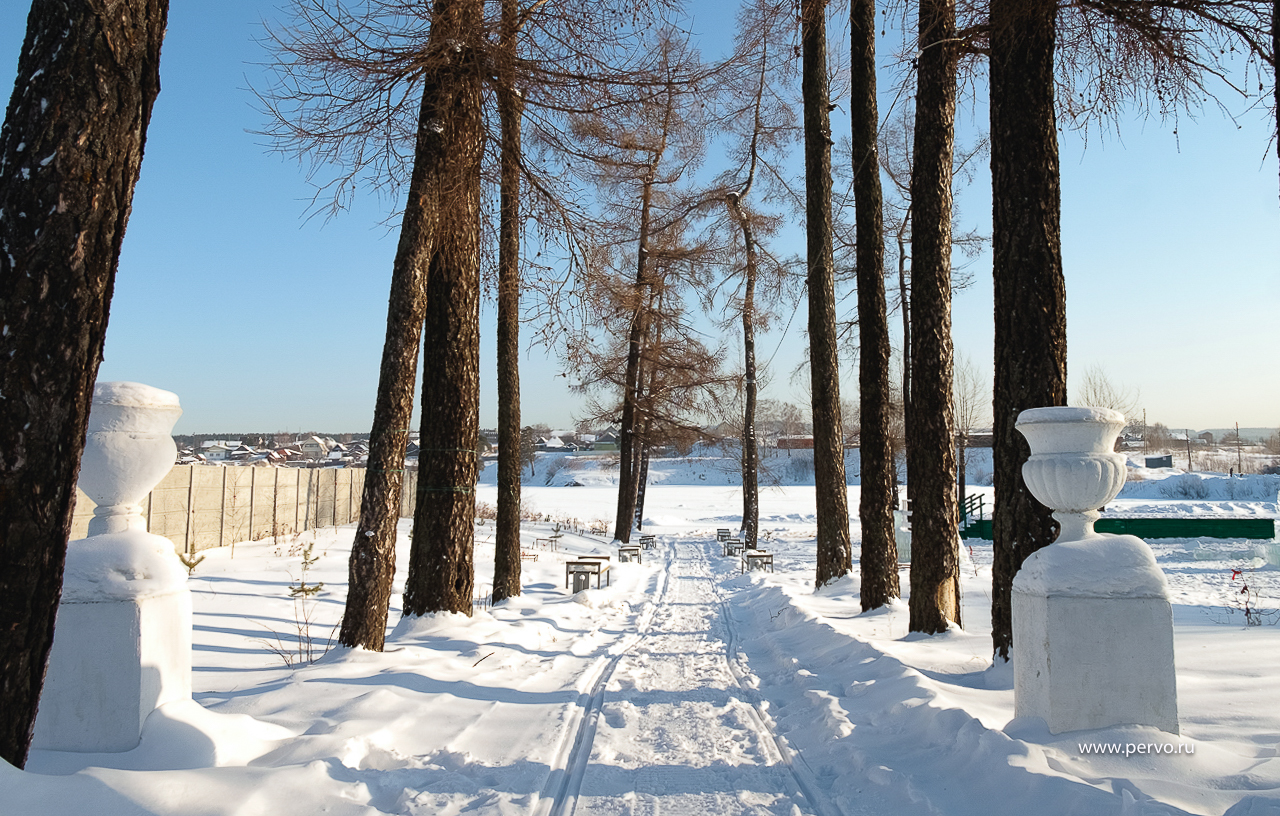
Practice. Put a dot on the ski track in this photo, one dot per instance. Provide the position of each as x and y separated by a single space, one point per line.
669 722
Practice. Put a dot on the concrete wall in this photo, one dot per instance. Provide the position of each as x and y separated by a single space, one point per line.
199 506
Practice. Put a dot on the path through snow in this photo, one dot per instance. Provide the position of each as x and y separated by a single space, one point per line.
675 731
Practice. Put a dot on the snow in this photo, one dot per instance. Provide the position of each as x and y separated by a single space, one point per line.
684 686
120 566
133 394
1100 566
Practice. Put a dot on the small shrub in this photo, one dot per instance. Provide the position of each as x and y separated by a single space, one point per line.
190 562
1184 487
1242 598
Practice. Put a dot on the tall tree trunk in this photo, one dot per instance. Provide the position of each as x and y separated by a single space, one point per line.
750 448
70 152
904 290
832 496
931 469
506 565
1030 293
642 480
879 560
645 435
372 566
441 566
628 443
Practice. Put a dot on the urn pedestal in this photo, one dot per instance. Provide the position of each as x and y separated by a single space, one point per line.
1092 621
122 641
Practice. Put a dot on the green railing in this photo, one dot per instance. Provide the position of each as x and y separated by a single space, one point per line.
1245 528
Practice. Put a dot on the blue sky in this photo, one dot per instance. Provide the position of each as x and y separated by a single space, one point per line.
262 320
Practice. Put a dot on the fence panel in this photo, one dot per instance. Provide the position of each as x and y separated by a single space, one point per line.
169 507
236 499
206 519
198 506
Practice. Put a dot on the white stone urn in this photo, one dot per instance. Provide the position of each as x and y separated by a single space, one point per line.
1092 621
127 451
1073 469
122 640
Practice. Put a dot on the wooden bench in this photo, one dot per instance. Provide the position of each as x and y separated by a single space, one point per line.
722 534
648 542
588 567
546 543
629 552
527 555
756 559
733 546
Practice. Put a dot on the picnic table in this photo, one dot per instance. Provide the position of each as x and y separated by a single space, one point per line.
579 572
756 559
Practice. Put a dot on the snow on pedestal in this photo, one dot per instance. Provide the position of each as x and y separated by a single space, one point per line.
1092 622
122 642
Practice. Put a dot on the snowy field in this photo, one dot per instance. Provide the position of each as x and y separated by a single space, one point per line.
683 687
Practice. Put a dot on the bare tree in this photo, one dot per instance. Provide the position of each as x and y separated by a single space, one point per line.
835 557
879 558
359 94
448 133
762 123
441 572
1098 55
1030 293
935 585
506 565
897 143
1098 391
640 157
70 151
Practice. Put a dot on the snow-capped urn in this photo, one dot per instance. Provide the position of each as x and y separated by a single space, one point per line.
1073 469
1092 621
127 451
122 642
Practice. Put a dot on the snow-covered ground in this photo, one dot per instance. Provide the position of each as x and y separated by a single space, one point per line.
684 686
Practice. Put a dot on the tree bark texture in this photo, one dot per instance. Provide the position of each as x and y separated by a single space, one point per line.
879 559
645 434
441 563
506 565
642 481
832 497
750 447
904 288
444 130
931 469
70 153
1030 292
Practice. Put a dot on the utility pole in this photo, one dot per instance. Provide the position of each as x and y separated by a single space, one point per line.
1189 468
1239 452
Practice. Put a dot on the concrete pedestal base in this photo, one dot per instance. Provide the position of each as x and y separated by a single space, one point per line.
113 662
1093 637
